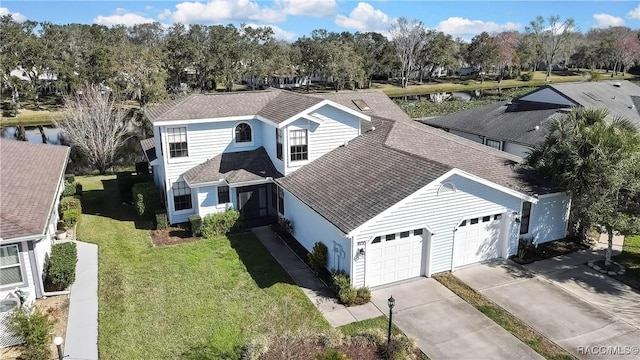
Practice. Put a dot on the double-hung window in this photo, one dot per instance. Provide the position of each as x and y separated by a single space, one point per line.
279 143
181 196
10 269
223 194
177 138
525 218
298 145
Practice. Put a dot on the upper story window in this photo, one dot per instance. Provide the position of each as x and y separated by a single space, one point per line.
298 145
11 271
243 133
279 143
496 144
525 218
177 138
181 196
223 194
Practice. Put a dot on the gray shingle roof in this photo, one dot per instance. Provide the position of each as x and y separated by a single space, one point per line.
286 105
233 167
499 121
381 105
149 149
29 178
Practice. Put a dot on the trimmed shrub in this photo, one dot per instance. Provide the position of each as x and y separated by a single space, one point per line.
69 189
126 180
162 222
61 272
283 226
196 225
332 354
71 217
78 189
146 197
526 76
318 257
69 178
348 295
33 327
221 223
70 202
142 168
340 281
364 295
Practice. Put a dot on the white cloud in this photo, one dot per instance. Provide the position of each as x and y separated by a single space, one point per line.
315 8
217 11
16 15
278 32
149 8
634 14
364 17
120 18
458 26
165 14
606 20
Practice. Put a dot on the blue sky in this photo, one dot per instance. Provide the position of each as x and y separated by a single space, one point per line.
293 18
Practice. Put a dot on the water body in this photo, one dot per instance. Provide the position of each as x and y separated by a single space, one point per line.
52 134
445 96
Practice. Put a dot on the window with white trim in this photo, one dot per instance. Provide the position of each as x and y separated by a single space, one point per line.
279 142
298 145
181 196
525 218
177 138
243 133
10 267
223 194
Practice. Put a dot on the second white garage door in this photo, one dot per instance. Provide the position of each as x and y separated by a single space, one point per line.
395 257
477 239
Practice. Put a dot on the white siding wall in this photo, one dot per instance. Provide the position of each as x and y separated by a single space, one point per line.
208 200
516 149
472 137
269 143
309 227
549 96
549 218
442 213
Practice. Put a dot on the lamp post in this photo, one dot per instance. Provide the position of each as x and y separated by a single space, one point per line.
58 343
391 302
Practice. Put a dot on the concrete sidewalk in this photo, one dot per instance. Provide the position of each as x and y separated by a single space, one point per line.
335 313
81 341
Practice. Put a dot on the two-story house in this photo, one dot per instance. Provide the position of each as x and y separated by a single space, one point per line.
391 198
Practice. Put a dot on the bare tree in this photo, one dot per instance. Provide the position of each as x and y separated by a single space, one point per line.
95 125
407 37
550 37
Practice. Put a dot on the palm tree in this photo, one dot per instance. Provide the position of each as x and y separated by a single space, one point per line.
596 159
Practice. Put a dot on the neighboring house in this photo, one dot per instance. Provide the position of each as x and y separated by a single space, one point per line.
518 125
391 198
31 182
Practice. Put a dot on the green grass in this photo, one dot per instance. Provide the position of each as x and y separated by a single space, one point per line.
381 322
197 300
28 117
630 259
500 316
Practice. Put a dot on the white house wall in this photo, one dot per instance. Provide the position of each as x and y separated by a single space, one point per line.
549 218
442 213
269 143
309 227
516 149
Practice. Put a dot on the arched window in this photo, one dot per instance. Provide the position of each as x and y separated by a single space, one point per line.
446 188
243 133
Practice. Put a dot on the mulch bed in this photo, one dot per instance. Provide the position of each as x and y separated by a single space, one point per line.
551 249
310 351
172 235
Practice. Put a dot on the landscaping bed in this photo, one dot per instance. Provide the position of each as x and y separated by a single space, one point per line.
173 235
550 249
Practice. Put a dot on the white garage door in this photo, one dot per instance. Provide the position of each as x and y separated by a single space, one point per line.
477 239
394 257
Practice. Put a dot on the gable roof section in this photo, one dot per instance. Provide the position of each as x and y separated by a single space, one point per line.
29 178
549 95
499 121
379 103
286 105
235 167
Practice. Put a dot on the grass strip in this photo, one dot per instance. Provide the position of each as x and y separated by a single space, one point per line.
529 336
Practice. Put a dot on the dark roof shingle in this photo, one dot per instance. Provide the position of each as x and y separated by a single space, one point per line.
286 105
29 178
234 167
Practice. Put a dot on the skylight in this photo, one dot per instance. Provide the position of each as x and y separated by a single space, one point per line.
361 105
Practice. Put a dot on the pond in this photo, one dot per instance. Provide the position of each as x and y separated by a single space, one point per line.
36 134
452 95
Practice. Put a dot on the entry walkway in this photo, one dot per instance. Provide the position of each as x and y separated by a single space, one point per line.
81 341
335 313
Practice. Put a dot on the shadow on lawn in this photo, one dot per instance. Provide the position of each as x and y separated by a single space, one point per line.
107 203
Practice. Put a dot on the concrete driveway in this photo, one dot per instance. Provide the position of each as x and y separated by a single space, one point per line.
583 311
445 326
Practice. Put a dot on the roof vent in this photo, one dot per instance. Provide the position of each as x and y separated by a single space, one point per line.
373 128
346 143
536 128
617 84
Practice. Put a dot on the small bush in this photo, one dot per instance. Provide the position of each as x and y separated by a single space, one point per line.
348 295
33 327
196 225
332 354
78 189
318 257
283 226
69 189
146 197
70 202
400 348
221 223
69 178
61 272
526 76
162 222
71 217
340 281
364 295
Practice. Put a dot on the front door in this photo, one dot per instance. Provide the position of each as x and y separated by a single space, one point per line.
252 201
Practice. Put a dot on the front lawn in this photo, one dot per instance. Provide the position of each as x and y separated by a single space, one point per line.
198 300
630 259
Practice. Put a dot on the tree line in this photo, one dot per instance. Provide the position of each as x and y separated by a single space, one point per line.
148 62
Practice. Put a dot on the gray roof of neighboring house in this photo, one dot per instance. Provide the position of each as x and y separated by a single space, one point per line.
233 167
499 121
149 149
29 178
351 184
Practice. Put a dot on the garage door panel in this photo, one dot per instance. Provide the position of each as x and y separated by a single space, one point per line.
394 260
477 242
